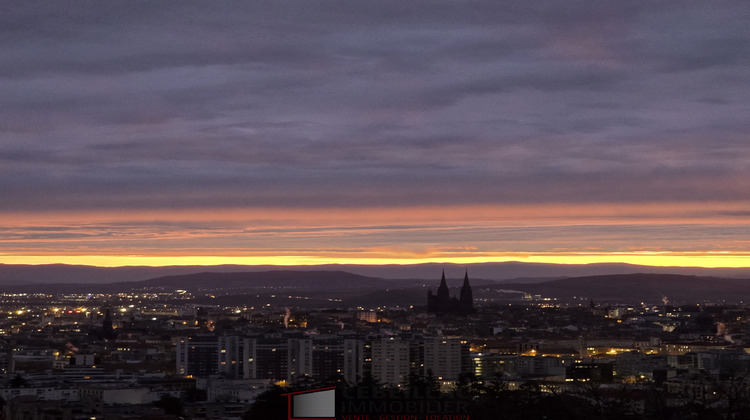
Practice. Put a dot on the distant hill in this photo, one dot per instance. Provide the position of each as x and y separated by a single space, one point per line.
330 282
20 274
308 280
502 271
640 287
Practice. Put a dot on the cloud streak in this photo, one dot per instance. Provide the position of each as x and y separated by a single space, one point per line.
436 233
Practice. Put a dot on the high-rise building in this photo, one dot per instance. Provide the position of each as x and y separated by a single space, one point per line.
328 357
300 358
232 356
271 359
442 358
390 360
197 355
354 357
274 357
108 331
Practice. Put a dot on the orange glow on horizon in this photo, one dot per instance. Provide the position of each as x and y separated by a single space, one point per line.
381 236
707 260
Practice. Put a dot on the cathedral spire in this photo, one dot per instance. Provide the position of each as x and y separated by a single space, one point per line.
443 294
443 303
466 298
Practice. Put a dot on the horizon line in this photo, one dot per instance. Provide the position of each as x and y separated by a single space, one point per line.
652 259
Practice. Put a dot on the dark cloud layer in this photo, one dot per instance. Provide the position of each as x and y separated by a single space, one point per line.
186 104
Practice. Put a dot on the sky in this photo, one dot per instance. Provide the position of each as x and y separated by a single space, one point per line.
304 132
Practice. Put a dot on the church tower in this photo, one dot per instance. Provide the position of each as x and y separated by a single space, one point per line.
443 303
466 299
443 295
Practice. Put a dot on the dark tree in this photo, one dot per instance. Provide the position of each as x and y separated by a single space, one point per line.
18 381
269 405
171 405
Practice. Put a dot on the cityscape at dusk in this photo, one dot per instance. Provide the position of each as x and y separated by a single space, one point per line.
375 210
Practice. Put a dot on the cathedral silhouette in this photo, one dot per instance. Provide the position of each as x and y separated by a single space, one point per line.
443 303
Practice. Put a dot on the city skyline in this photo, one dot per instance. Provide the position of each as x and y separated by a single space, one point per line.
336 132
